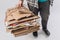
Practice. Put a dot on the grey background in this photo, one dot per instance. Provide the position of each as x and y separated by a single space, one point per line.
53 23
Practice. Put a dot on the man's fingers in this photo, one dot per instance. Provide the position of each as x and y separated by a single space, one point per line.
20 3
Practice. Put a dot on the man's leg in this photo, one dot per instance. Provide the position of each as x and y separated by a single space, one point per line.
44 11
35 11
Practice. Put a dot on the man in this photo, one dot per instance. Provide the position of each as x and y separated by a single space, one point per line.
44 7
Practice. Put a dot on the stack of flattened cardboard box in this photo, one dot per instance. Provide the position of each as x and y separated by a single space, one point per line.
21 21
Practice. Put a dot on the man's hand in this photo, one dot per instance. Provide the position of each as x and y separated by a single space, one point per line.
20 3
51 2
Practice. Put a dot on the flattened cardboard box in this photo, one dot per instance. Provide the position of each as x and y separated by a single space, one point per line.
18 16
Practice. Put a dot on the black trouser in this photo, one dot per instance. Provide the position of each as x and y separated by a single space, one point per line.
44 9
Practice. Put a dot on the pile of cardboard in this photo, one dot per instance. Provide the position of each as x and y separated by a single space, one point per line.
21 21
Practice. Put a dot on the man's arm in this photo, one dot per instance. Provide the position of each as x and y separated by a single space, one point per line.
21 0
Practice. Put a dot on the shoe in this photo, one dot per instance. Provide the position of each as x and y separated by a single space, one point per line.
46 32
35 34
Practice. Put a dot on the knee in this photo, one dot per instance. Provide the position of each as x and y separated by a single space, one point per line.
45 18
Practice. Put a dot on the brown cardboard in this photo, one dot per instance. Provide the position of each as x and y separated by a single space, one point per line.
12 16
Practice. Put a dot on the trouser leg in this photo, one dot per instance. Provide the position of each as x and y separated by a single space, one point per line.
44 12
35 11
